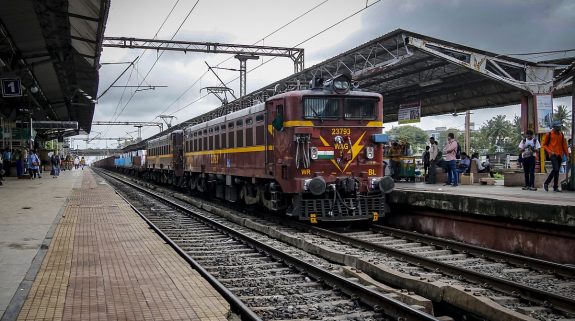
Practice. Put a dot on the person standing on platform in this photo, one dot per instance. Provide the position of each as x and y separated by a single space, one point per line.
55 161
529 146
7 161
449 151
76 162
433 153
1 170
82 162
17 156
556 146
33 164
425 159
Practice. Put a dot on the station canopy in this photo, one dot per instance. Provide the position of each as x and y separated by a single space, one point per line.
53 48
442 76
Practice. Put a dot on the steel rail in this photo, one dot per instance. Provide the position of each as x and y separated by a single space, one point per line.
541 297
372 298
237 305
514 259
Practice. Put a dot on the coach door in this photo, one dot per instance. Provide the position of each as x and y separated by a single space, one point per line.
178 153
274 123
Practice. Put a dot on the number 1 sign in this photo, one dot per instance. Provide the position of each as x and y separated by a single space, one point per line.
11 88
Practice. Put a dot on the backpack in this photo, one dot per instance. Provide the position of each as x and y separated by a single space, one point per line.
426 157
458 152
439 156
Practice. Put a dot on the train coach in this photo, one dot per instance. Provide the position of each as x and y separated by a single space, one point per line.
314 154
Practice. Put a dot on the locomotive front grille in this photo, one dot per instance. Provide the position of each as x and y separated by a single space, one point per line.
344 209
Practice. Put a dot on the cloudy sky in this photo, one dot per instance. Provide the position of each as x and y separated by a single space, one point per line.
505 27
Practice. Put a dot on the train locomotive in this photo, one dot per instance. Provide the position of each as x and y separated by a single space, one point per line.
315 154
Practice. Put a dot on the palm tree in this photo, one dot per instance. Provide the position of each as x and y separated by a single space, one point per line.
562 114
497 129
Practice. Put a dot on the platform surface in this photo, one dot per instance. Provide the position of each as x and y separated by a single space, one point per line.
498 192
101 260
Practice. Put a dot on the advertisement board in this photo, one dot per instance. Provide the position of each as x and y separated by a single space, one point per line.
409 113
544 105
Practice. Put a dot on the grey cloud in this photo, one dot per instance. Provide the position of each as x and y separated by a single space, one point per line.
511 26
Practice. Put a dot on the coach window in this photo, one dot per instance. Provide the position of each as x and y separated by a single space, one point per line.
223 136
200 141
321 108
205 143
230 135
239 133
211 139
360 108
249 132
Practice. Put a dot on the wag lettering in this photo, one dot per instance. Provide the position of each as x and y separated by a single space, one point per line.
341 146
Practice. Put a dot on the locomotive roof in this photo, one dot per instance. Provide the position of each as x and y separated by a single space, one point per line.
324 92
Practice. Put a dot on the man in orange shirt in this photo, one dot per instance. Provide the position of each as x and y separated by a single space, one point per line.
555 146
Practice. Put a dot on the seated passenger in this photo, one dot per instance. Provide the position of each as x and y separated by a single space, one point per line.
482 167
464 163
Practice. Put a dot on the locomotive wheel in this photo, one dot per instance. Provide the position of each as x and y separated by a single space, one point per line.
247 198
202 185
193 183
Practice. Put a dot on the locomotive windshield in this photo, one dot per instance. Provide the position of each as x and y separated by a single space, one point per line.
359 108
321 108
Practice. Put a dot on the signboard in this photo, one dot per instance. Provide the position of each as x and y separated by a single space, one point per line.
11 87
544 105
409 113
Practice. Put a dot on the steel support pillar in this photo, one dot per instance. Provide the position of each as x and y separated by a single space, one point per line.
243 71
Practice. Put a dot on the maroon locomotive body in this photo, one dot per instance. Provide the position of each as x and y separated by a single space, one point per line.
315 154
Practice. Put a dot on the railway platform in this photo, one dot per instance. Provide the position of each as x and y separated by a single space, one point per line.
538 224
71 249
491 200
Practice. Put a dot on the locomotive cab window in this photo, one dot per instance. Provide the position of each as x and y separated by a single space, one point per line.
360 108
321 108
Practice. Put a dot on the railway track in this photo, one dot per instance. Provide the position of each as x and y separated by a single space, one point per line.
489 284
262 281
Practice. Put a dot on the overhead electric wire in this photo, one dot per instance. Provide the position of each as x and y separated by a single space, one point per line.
306 40
117 78
225 60
157 59
144 51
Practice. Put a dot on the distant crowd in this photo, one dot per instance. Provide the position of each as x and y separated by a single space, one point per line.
27 163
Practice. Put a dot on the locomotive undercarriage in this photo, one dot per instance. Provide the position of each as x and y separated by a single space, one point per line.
336 207
333 205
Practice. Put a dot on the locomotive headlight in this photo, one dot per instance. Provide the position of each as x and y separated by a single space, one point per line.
340 85
313 152
369 153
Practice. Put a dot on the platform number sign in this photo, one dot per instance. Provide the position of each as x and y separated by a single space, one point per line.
11 87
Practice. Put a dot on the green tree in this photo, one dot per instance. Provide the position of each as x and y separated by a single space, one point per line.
497 130
414 136
562 114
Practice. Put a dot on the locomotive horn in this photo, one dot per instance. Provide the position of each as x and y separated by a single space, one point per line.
386 184
317 186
